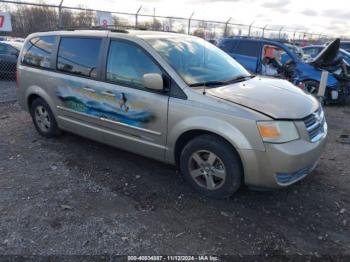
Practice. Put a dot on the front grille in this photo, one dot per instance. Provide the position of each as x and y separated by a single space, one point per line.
316 125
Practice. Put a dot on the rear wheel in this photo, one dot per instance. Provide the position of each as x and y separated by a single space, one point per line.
43 118
211 166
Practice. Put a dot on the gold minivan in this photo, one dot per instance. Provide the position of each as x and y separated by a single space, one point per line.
174 98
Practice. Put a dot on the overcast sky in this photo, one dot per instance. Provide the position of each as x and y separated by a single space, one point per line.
319 16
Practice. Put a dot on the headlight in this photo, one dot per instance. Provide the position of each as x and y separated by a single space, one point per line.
277 131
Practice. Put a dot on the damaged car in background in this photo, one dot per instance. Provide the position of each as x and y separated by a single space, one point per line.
273 58
335 61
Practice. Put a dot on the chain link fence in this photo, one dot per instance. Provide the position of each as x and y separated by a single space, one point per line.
33 17
9 51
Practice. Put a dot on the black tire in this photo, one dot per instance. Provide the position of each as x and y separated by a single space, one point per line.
311 87
225 154
52 130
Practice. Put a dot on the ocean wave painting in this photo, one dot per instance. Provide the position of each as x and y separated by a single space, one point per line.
117 108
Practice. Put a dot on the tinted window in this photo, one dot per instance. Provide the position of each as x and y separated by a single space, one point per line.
4 49
312 51
37 51
79 56
226 45
246 48
127 63
345 45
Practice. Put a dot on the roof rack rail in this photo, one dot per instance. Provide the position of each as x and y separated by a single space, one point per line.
108 28
115 29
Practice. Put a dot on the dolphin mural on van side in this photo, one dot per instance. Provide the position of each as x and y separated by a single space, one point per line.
119 107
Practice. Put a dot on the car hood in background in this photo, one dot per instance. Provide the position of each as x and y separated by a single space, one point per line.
276 98
327 55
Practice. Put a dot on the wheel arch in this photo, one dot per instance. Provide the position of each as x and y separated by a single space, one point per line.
189 135
34 92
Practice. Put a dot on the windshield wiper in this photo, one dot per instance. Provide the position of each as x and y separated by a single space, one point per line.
209 83
226 82
240 79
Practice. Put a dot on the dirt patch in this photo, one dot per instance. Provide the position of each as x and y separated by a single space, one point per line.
73 196
7 91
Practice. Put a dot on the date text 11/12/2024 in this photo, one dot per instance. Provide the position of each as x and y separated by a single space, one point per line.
173 258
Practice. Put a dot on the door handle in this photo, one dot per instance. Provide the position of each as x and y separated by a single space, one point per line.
108 93
89 89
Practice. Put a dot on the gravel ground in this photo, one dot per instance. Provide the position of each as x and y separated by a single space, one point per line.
7 91
73 196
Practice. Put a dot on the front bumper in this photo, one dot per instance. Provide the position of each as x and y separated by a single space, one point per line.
281 165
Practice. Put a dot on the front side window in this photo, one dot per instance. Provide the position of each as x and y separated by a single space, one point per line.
197 61
127 63
273 59
37 51
79 56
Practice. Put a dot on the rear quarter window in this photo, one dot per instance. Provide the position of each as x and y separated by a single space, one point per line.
225 45
247 48
345 45
79 56
37 51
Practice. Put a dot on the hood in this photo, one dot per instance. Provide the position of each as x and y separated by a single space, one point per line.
327 55
276 98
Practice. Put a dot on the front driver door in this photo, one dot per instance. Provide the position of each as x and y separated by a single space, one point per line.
135 117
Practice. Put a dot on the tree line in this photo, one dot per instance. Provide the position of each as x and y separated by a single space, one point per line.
31 19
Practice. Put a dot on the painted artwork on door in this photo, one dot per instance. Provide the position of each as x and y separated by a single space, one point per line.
114 106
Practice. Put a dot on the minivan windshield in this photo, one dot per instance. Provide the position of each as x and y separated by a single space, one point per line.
199 62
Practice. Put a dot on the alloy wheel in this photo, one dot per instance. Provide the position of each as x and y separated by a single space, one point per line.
207 169
42 119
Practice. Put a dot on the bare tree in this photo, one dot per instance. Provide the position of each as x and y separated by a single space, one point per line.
27 20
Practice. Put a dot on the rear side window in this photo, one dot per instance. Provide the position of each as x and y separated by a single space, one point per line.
127 63
37 51
4 49
79 56
345 45
226 45
247 48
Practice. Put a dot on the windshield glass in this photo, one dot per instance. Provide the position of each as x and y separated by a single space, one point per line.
296 50
198 61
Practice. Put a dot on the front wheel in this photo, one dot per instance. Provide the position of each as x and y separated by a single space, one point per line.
311 87
211 166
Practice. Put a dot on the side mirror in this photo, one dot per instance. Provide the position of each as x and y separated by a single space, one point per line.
153 81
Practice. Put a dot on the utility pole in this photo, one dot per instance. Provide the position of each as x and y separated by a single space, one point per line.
279 32
320 36
137 17
189 24
154 17
226 25
60 22
295 31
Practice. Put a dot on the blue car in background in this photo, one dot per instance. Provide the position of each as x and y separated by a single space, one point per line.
273 58
314 50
